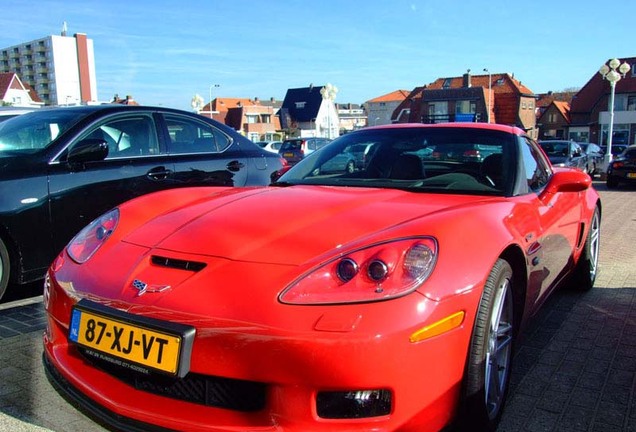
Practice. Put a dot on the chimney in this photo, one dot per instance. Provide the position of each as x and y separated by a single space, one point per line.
467 79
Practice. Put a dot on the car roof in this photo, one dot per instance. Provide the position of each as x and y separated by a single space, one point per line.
490 126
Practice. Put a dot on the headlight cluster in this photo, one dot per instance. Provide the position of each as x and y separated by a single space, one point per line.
89 240
377 272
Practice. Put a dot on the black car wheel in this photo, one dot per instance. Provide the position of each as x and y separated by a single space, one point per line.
611 182
490 353
587 267
4 268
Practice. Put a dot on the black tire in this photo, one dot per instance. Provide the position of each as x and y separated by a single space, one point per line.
489 360
4 268
611 182
587 267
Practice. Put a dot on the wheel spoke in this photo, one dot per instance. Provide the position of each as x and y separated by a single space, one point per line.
499 349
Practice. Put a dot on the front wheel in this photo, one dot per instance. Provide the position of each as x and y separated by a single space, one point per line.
587 267
4 268
490 353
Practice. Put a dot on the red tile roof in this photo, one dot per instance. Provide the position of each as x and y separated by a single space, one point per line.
564 109
396 96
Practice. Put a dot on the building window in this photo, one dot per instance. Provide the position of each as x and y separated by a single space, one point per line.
552 118
499 82
465 107
447 83
523 105
300 105
631 103
266 118
620 134
251 118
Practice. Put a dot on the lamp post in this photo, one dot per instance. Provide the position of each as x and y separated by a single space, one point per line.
213 85
328 93
197 103
489 91
609 72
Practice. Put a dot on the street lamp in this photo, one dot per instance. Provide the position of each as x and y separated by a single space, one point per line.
213 85
197 103
609 73
375 122
489 90
328 93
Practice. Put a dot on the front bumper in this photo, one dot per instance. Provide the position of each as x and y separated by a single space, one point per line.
293 366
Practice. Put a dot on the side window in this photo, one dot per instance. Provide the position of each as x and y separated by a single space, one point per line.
190 136
127 137
537 171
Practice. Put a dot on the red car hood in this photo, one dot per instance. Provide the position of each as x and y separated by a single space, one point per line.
286 225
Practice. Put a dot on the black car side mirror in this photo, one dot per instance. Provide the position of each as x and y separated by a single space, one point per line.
88 150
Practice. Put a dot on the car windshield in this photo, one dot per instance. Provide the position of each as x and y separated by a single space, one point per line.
31 132
448 160
555 148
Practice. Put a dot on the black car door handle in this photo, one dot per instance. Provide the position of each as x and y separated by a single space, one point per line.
159 173
235 165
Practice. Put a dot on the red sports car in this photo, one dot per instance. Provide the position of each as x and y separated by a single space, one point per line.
383 298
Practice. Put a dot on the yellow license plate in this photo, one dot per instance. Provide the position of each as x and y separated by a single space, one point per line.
288 155
128 340
631 175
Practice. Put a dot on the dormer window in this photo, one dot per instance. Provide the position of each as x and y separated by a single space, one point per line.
447 83
499 82
300 105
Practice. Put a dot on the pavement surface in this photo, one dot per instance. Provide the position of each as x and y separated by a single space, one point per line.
574 369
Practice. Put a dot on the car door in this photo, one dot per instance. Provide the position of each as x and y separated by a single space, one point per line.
578 157
203 155
551 242
79 192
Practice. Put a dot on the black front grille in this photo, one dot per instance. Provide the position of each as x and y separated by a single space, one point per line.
219 392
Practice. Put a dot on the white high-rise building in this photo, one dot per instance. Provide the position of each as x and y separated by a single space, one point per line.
61 69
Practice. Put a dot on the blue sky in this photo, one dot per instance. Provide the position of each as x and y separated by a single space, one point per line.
163 52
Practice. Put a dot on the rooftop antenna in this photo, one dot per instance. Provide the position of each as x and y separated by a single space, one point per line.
64 29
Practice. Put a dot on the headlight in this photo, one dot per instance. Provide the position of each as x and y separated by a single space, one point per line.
89 240
377 272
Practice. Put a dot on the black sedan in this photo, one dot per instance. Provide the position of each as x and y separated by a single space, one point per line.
564 153
61 168
623 168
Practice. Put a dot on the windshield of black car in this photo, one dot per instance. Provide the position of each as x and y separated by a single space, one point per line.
31 132
556 148
451 160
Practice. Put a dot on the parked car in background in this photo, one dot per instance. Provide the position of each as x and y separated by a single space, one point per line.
63 167
564 153
622 169
7 112
368 309
295 149
271 146
616 149
594 155
362 153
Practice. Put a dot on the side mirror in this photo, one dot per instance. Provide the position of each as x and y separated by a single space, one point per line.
88 150
568 180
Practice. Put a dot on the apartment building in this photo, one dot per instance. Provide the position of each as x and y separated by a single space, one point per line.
61 69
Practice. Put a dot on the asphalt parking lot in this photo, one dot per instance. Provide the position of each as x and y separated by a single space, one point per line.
575 369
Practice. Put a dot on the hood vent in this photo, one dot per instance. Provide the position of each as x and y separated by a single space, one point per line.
177 263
